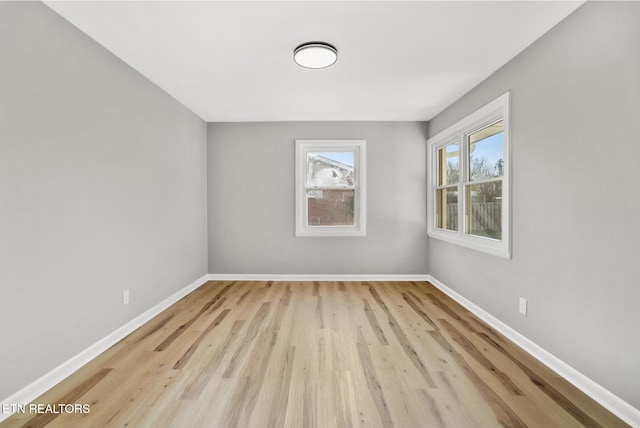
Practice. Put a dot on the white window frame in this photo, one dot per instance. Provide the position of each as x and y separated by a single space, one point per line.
498 109
358 147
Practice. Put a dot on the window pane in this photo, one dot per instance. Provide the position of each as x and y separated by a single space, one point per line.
447 208
486 152
448 164
330 207
484 209
330 169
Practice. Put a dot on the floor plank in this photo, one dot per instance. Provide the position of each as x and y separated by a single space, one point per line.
317 354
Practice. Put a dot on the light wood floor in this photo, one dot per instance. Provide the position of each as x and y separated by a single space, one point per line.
317 354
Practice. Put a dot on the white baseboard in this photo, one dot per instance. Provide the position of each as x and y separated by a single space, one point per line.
57 375
314 277
612 402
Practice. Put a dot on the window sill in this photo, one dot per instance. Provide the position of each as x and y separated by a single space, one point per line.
331 232
483 245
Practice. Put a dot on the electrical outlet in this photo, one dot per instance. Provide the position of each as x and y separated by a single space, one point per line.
523 306
125 297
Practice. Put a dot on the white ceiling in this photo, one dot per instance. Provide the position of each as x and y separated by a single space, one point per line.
233 61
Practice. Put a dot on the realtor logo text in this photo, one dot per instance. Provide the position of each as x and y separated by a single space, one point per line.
57 409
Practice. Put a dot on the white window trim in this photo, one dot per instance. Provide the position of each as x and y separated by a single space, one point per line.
495 110
359 229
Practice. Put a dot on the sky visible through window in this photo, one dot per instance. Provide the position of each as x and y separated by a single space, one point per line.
490 148
342 157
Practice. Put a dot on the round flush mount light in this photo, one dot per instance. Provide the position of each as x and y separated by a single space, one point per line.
315 55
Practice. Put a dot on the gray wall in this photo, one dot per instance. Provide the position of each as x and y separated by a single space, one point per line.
576 239
102 188
251 200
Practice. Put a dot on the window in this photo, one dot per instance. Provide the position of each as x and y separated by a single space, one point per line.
468 185
330 188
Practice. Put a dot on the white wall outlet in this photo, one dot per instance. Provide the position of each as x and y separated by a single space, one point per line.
125 297
523 306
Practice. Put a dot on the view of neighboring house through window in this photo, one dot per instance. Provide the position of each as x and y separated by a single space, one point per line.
330 188
470 180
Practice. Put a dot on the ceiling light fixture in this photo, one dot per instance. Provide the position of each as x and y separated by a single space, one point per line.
315 55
